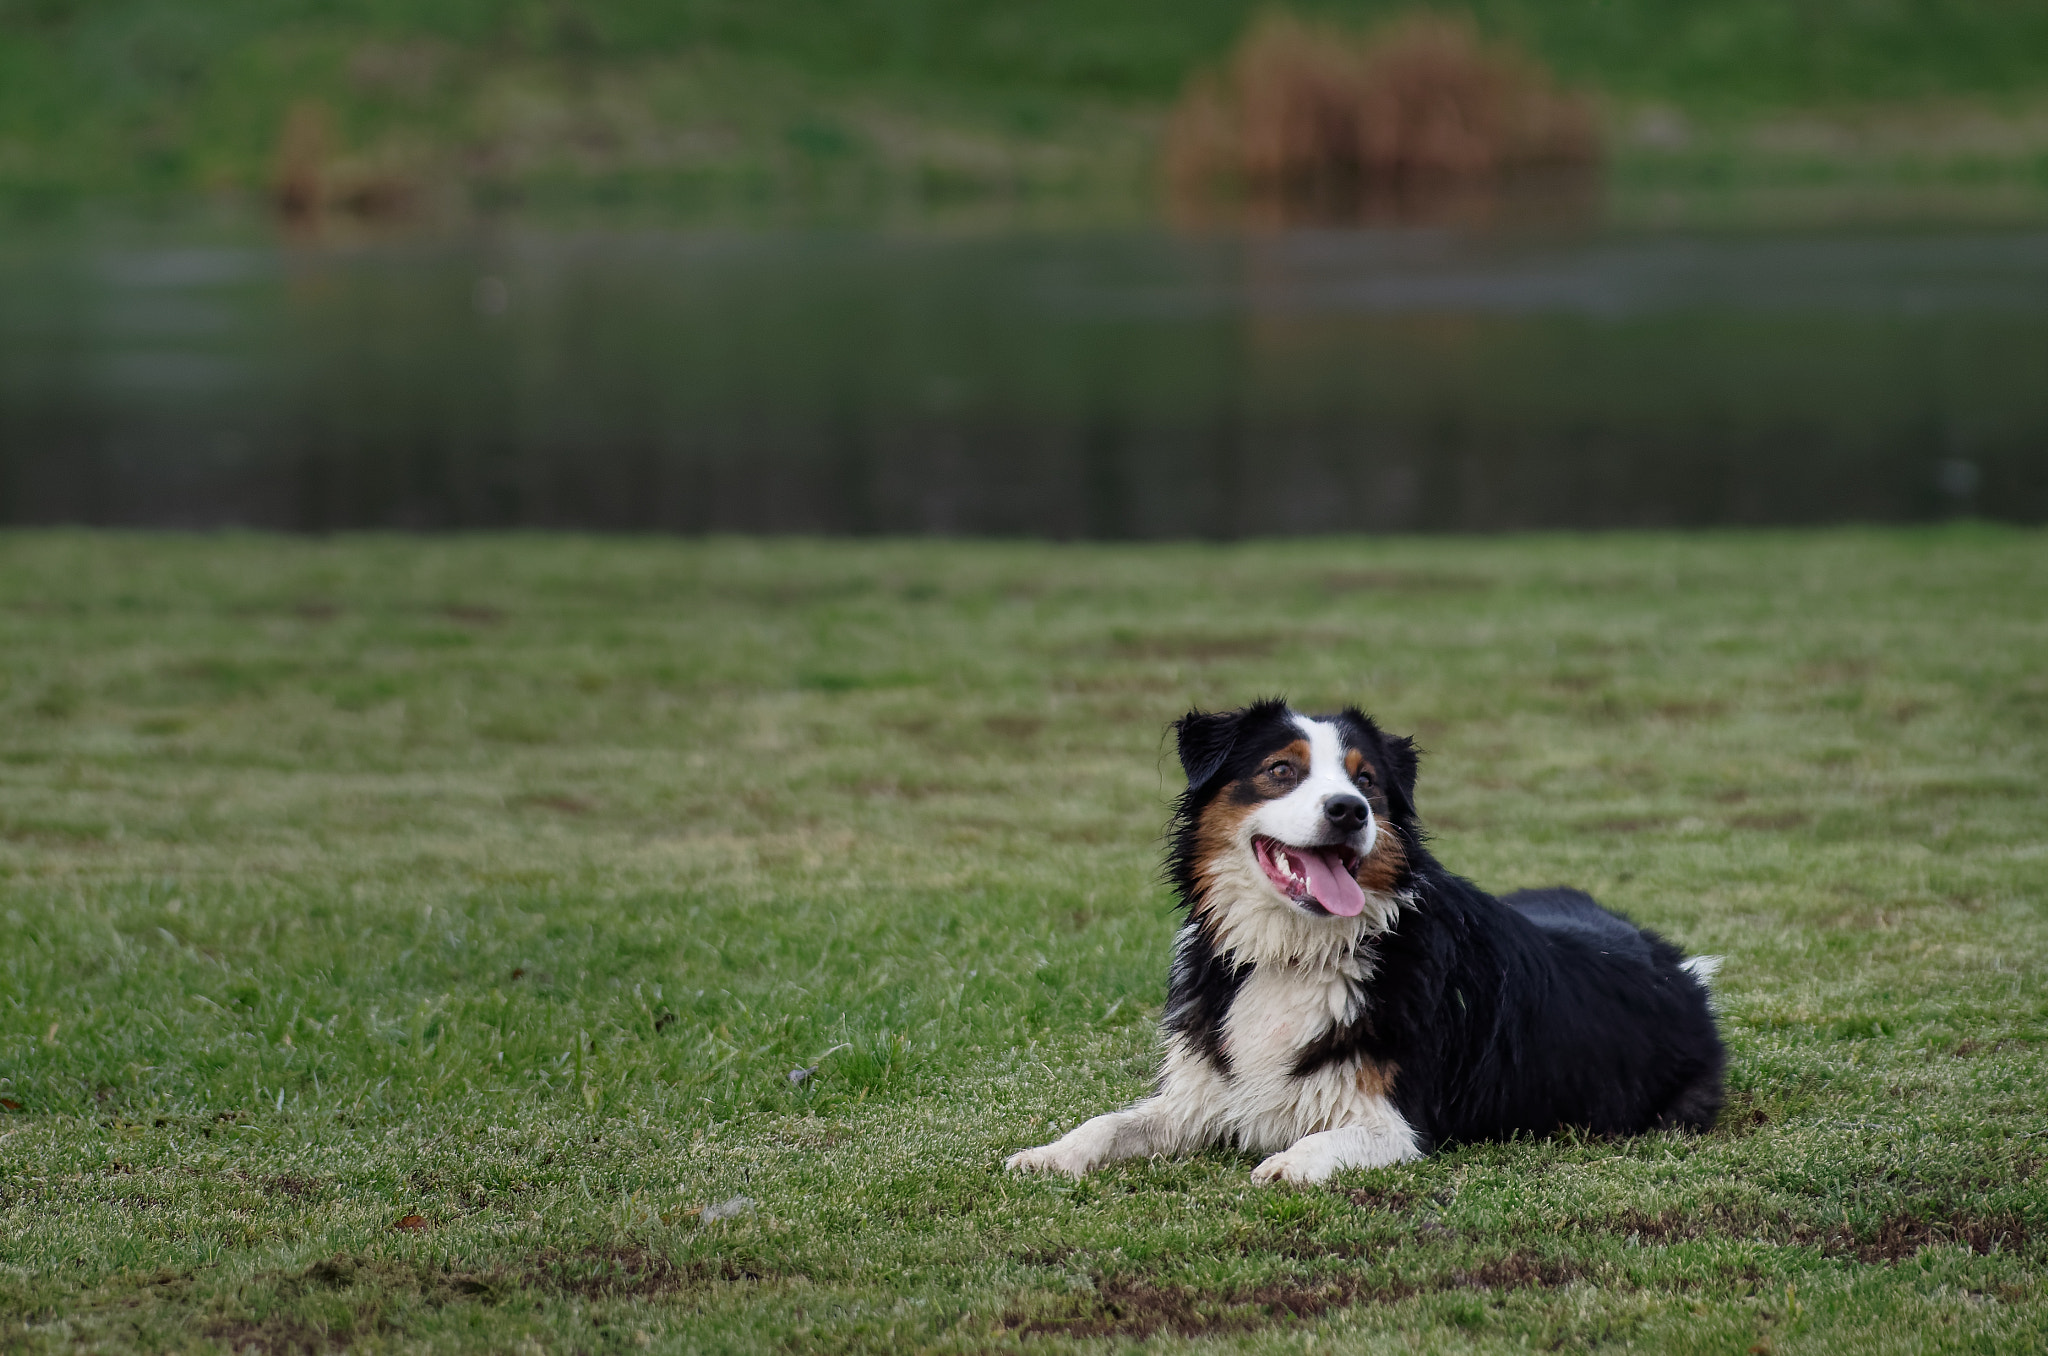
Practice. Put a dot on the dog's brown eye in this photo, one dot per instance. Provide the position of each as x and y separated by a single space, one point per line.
1286 772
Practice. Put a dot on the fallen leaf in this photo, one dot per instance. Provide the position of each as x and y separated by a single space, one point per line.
9 1104
412 1223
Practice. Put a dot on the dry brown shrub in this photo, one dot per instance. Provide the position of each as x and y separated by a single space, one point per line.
298 175
309 179
1305 108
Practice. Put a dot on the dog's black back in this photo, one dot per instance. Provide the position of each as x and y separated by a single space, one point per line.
1537 1012
1574 913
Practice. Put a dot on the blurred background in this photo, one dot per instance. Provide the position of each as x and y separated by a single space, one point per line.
1117 269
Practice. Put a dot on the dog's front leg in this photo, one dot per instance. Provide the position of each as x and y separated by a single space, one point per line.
1384 1139
1181 1116
1137 1131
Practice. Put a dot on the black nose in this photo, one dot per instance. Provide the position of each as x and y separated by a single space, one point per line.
1345 812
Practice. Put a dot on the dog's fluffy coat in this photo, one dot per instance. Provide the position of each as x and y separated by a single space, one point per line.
1338 999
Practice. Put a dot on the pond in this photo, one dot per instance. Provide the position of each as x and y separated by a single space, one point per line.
1108 384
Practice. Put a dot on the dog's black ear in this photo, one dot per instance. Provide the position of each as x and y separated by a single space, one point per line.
1206 738
1401 759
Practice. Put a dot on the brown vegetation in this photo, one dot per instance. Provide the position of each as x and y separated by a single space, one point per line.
297 183
309 180
1305 109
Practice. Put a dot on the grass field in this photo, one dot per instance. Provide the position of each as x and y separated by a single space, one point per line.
628 99
403 940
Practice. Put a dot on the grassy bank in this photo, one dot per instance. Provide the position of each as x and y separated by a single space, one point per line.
402 941
490 99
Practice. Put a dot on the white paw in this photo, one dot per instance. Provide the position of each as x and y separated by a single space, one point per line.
1070 1159
1299 1164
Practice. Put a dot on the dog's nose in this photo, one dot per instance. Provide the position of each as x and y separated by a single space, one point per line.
1345 812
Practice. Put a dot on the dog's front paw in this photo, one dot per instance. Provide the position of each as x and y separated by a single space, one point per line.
1062 1157
1302 1163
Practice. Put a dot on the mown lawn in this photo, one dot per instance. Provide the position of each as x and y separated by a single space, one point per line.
495 886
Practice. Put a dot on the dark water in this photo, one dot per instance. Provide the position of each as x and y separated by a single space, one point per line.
1136 385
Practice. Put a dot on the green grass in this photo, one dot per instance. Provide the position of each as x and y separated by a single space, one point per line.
627 98
502 881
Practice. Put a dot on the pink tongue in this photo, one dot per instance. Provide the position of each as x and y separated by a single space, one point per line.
1330 883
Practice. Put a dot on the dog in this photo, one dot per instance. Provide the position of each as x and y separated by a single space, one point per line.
1339 1000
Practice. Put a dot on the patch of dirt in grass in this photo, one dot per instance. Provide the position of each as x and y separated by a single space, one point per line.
1128 1307
275 1335
629 1271
633 1271
1312 1249
1044 1257
1899 1235
294 1186
1137 1306
1976 1047
1902 1234
1668 1226
1516 1271
1382 1198
1743 1114
613 1271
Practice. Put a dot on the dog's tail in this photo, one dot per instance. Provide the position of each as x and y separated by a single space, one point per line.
1702 968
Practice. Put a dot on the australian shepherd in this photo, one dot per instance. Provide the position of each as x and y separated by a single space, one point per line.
1339 1000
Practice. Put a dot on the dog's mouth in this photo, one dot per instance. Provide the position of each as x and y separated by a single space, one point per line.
1318 876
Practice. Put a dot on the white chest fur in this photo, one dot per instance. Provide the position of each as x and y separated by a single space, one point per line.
1312 1125
1280 1009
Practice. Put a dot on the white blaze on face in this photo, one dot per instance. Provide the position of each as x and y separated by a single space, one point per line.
1297 817
1302 857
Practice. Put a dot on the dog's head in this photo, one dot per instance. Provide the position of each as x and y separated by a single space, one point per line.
1313 815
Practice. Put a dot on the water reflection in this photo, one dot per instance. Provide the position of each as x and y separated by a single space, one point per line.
1133 385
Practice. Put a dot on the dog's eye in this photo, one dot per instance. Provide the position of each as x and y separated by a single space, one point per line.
1285 772
1364 776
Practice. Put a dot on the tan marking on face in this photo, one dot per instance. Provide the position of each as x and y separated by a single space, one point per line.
1216 832
1376 1080
1380 872
1270 787
1356 765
